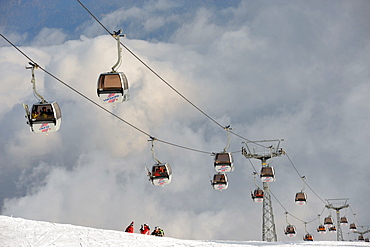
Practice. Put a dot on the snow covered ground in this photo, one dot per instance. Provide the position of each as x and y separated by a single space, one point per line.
21 232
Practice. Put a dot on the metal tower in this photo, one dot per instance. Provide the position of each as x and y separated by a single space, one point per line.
361 233
265 153
337 210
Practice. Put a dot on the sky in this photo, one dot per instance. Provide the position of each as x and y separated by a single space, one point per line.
292 70
21 232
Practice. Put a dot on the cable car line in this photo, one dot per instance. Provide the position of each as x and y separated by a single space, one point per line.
291 162
288 212
96 104
163 80
354 216
256 172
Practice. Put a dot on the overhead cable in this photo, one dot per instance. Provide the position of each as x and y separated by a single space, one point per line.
291 162
96 104
161 78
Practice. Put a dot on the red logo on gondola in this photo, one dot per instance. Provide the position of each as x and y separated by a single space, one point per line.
112 97
161 181
44 127
258 199
220 186
222 168
268 179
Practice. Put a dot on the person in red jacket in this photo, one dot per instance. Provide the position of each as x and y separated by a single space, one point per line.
145 229
130 228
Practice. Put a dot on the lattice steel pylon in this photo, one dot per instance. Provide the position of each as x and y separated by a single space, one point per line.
268 222
337 210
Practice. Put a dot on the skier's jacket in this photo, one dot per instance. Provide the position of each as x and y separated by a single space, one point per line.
130 228
158 232
145 230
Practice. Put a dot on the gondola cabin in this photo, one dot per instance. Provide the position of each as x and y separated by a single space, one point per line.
361 238
343 221
332 229
328 221
223 162
290 231
367 240
300 198
321 229
267 174
308 237
161 174
44 117
219 181
352 227
257 195
113 88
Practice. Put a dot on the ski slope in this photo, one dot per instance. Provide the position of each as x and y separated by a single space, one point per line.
21 232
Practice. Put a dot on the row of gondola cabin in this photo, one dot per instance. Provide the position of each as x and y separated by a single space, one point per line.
321 229
328 221
300 198
161 174
257 195
44 117
343 221
308 237
223 162
219 181
332 229
352 227
267 174
290 231
113 88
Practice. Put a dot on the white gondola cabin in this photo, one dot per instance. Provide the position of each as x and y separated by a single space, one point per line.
332 229
223 162
290 231
300 198
161 174
257 195
308 237
44 117
328 221
352 227
267 174
113 88
219 181
343 221
321 229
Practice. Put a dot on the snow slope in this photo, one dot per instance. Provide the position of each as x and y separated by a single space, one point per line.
21 232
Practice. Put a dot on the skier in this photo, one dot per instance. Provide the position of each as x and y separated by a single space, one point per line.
145 229
161 232
158 232
130 228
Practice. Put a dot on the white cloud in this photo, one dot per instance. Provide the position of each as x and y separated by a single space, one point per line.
49 37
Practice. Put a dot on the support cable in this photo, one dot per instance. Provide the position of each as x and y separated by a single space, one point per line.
162 79
256 172
96 104
291 162
354 216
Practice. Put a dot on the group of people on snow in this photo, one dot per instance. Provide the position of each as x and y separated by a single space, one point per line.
145 229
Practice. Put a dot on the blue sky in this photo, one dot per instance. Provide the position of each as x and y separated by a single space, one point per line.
32 16
295 70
